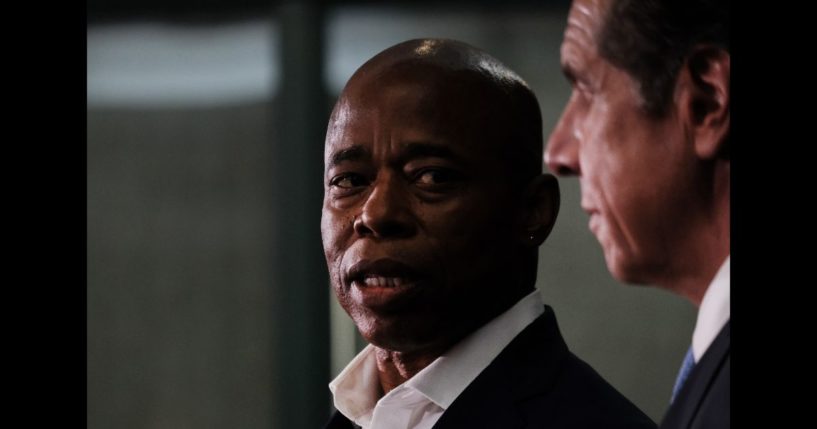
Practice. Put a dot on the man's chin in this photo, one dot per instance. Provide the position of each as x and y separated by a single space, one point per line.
619 266
625 269
395 337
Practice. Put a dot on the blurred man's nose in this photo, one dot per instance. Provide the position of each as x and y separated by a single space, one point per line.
562 152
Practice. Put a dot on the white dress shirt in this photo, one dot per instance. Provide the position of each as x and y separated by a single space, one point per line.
420 401
714 312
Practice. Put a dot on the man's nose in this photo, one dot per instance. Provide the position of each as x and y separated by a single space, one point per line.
386 212
562 153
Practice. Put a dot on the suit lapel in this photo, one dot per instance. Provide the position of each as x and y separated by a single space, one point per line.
526 367
685 407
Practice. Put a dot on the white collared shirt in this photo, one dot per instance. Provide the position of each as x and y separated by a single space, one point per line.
714 312
420 401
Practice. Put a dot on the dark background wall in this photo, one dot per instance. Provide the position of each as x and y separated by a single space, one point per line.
205 303
179 215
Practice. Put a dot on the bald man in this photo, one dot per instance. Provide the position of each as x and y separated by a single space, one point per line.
434 208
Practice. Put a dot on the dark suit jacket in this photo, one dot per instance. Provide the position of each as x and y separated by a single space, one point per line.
703 401
536 382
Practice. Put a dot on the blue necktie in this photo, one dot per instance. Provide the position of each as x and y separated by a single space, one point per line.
686 368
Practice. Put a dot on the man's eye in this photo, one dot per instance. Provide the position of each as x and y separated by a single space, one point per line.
348 181
435 177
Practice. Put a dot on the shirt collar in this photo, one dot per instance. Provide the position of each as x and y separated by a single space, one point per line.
446 378
714 312
356 389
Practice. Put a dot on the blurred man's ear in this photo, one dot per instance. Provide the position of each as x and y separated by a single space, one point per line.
705 77
541 200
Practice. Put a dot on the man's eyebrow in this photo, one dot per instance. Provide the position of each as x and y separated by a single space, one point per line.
353 153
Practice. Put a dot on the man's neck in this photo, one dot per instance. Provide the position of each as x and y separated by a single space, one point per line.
706 248
694 285
395 368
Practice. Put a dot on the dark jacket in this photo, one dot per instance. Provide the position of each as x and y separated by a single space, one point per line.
536 382
703 401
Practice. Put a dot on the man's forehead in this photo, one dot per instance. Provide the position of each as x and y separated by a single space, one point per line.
415 111
391 92
405 150
403 111
416 102
364 136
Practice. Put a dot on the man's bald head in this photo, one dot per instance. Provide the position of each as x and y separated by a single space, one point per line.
477 97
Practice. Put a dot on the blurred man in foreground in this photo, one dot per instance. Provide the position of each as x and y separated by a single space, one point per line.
646 130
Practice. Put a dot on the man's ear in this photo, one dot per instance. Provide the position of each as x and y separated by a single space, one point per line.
541 207
705 99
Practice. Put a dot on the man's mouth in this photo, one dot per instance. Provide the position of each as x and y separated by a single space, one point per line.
382 282
380 273
373 280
